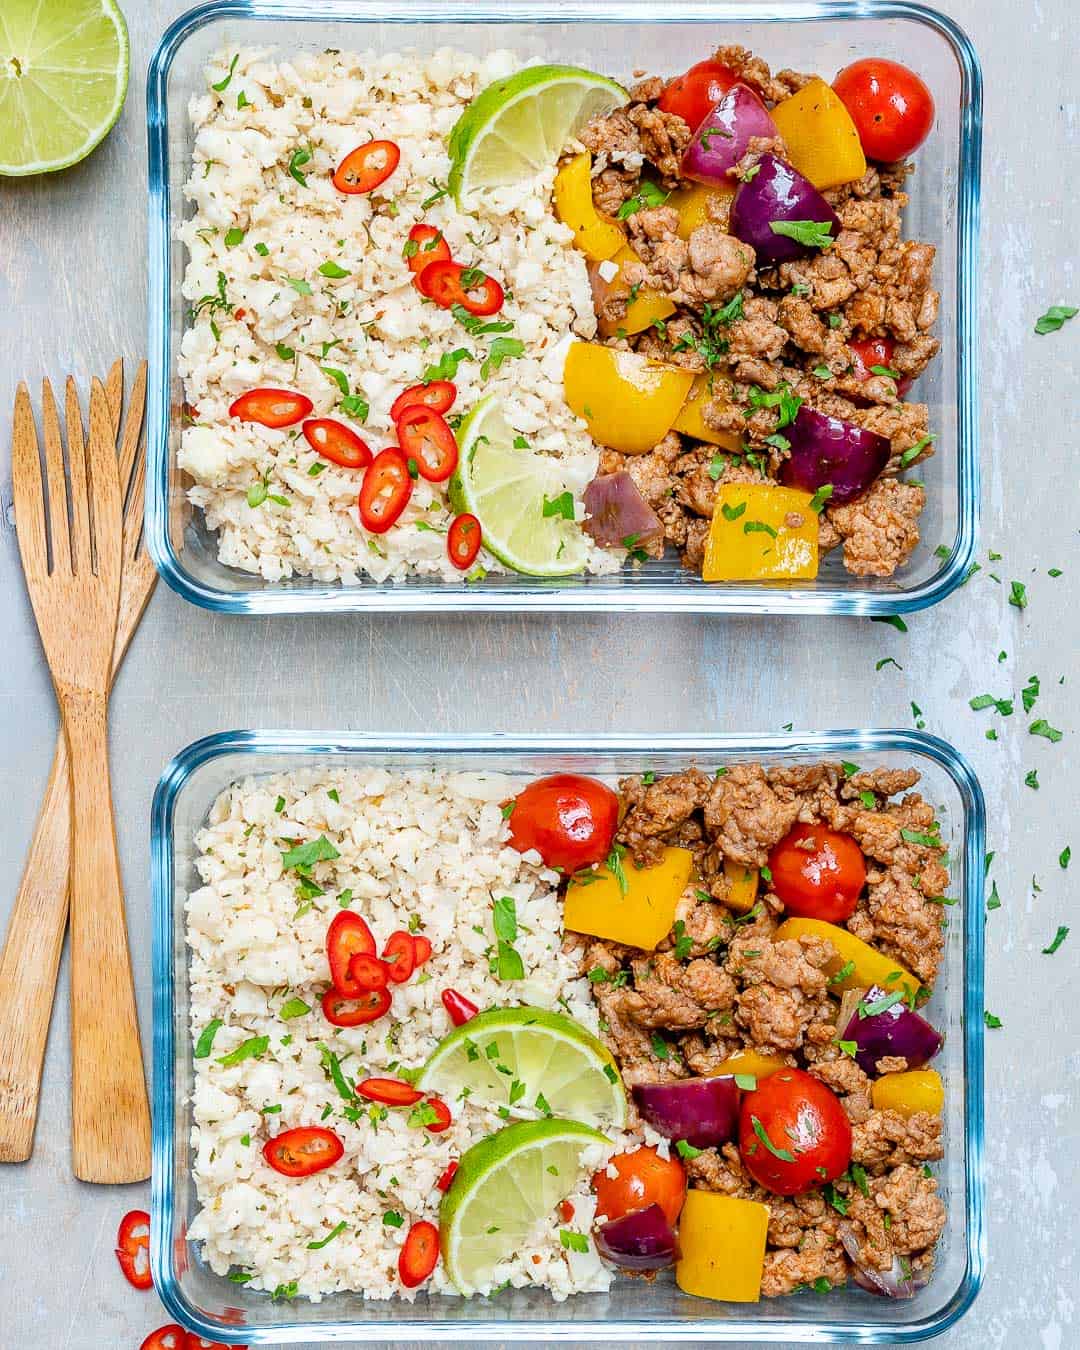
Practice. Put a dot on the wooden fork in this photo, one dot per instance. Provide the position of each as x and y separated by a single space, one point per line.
76 602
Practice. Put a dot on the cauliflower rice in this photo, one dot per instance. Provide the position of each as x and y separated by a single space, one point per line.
424 847
266 219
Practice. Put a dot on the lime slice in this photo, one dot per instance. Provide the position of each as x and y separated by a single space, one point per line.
63 77
519 126
506 489
528 1060
504 1185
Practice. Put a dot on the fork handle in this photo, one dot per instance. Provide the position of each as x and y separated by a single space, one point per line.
110 1114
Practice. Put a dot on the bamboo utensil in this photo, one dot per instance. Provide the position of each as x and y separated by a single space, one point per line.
110 1113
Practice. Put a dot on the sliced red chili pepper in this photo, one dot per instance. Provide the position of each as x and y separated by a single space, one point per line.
439 395
459 1008
443 1119
420 1254
239 312
171 1337
426 437
337 443
443 1183
389 1091
198 1343
400 955
385 491
463 540
367 167
133 1248
303 1151
367 972
421 949
347 936
271 407
566 1210
342 1011
451 283
430 247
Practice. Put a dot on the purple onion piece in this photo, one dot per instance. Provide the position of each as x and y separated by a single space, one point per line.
827 451
616 511
703 1111
778 193
891 1283
896 1031
724 136
642 1240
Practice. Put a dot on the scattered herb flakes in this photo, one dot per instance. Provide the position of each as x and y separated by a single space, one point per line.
888 661
917 714
809 233
294 1007
1041 727
893 620
1058 938
573 1242
233 237
299 157
649 195
333 270
392 1219
502 349
1049 322
991 1021
562 505
732 512
746 1082
994 901
262 250
909 456
820 497
1030 692
849 769
205 1043
1031 778
660 1047
685 1150
1018 594
784 1154
299 285
1064 856
222 85
252 1048
302 857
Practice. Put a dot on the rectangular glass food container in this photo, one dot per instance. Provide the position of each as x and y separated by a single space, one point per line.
616 37
634 1311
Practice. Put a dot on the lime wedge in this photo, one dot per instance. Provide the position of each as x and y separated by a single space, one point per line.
528 1060
63 77
519 126
506 489
504 1185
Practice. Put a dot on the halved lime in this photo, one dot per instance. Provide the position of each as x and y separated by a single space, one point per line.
63 77
504 1185
527 1060
519 126
507 489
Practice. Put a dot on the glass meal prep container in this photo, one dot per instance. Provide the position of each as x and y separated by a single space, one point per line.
615 37
634 1310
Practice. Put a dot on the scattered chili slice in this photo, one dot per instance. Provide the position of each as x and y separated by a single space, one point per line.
271 407
399 954
367 972
459 1008
439 395
389 1091
171 1337
336 442
367 167
342 1011
426 437
347 936
430 247
303 1151
566 1210
463 541
420 1254
133 1248
451 283
385 491
443 1183
443 1119
421 949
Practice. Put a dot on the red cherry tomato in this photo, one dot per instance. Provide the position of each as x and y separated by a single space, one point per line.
340 1010
385 491
426 438
400 956
430 247
568 819
133 1248
458 1008
271 407
421 949
303 1151
336 442
347 936
439 396
420 1254
171 1337
818 873
443 1119
463 540
451 283
644 1179
367 167
389 1091
367 972
443 1183
891 107
694 95
869 352
793 1133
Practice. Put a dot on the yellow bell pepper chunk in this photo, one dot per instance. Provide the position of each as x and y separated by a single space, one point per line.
692 204
869 965
820 136
647 307
907 1093
742 886
722 1247
751 539
596 237
751 1062
691 422
641 916
628 401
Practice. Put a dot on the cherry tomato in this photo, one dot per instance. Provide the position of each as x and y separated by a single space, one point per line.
793 1133
451 283
336 442
818 873
347 936
426 437
340 1010
463 540
439 396
385 491
459 1008
171 1337
869 352
891 107
421 949
443 1183
133 1248
430 247
400 956
271 407
443 1119
420 1254
568 819
367 972
644 1179
367 167
566 1210
694 95
389 1091
303 1151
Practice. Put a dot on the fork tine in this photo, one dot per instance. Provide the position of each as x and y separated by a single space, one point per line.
81 529
129 443
101 469
27 490
54 470
114 388
133 515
